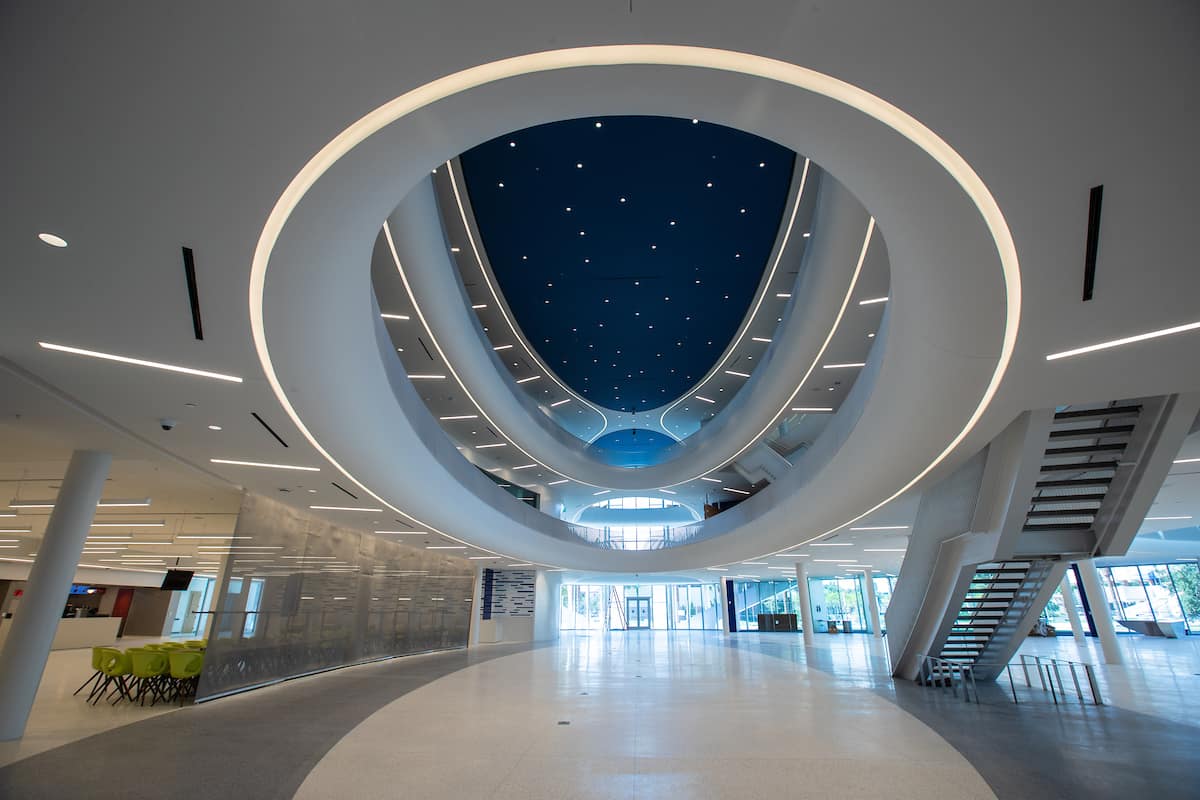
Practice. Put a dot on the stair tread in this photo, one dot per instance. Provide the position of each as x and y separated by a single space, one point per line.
1091 433
1083 466
1091 413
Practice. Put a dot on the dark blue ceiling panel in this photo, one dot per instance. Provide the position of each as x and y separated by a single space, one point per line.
629 248
630 448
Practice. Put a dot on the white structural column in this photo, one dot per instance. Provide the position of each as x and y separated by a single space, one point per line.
872 604
806 617
723 602
1101 614
36 621
547 594
1068 596
476 609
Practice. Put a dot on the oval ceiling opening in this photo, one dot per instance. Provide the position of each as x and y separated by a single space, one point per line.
629 248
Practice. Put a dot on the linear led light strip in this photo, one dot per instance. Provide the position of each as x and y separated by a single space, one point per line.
1141 337
787 235
387 234
462 212
661 55
139 362
140 503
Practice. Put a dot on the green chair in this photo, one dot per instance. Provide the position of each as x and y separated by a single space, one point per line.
97 673
149 668
116 667
185 673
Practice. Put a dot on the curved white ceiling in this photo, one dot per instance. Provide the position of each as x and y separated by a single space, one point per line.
197 150
954 245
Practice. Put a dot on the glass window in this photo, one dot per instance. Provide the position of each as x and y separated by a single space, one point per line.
672 607
1132 602
1186 581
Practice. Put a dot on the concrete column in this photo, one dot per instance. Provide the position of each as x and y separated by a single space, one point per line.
1068 596
476 609
547 594
723 602
872 604
806 615
36 621
1101 614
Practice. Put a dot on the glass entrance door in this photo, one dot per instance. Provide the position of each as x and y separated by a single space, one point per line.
639 612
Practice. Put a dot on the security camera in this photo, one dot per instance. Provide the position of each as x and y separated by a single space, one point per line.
166 424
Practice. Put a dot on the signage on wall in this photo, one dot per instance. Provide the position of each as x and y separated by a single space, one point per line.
84 588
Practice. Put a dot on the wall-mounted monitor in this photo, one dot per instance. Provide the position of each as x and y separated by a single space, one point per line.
177 579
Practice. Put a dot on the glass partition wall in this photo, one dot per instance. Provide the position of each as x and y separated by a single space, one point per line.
1155 592
664 607
601 607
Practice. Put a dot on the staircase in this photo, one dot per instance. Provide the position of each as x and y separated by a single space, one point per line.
1000 596
1055 487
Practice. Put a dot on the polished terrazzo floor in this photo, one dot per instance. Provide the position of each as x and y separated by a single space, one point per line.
637 714
643 714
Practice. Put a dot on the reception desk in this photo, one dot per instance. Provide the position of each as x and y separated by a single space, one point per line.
74 633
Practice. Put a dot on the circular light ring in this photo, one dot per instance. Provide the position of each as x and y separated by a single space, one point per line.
52 239
652 55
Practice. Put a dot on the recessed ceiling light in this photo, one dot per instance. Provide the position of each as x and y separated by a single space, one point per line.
870 335
347 508
579 166
527 380
708 185
460 416
762 164
1141 337
602 491
426 377
880 528
1186 461
806 234
52 240
395 316
500 184
502 347
455 250
738 374
812 409
705 399
711 480
1148 519
556 483
478 306
832 544
762 339
495 444
872 300
139 362
783 294
214 427
264 465
735 491
525 466
851 365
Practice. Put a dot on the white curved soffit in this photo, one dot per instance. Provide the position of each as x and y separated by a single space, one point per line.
652 55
